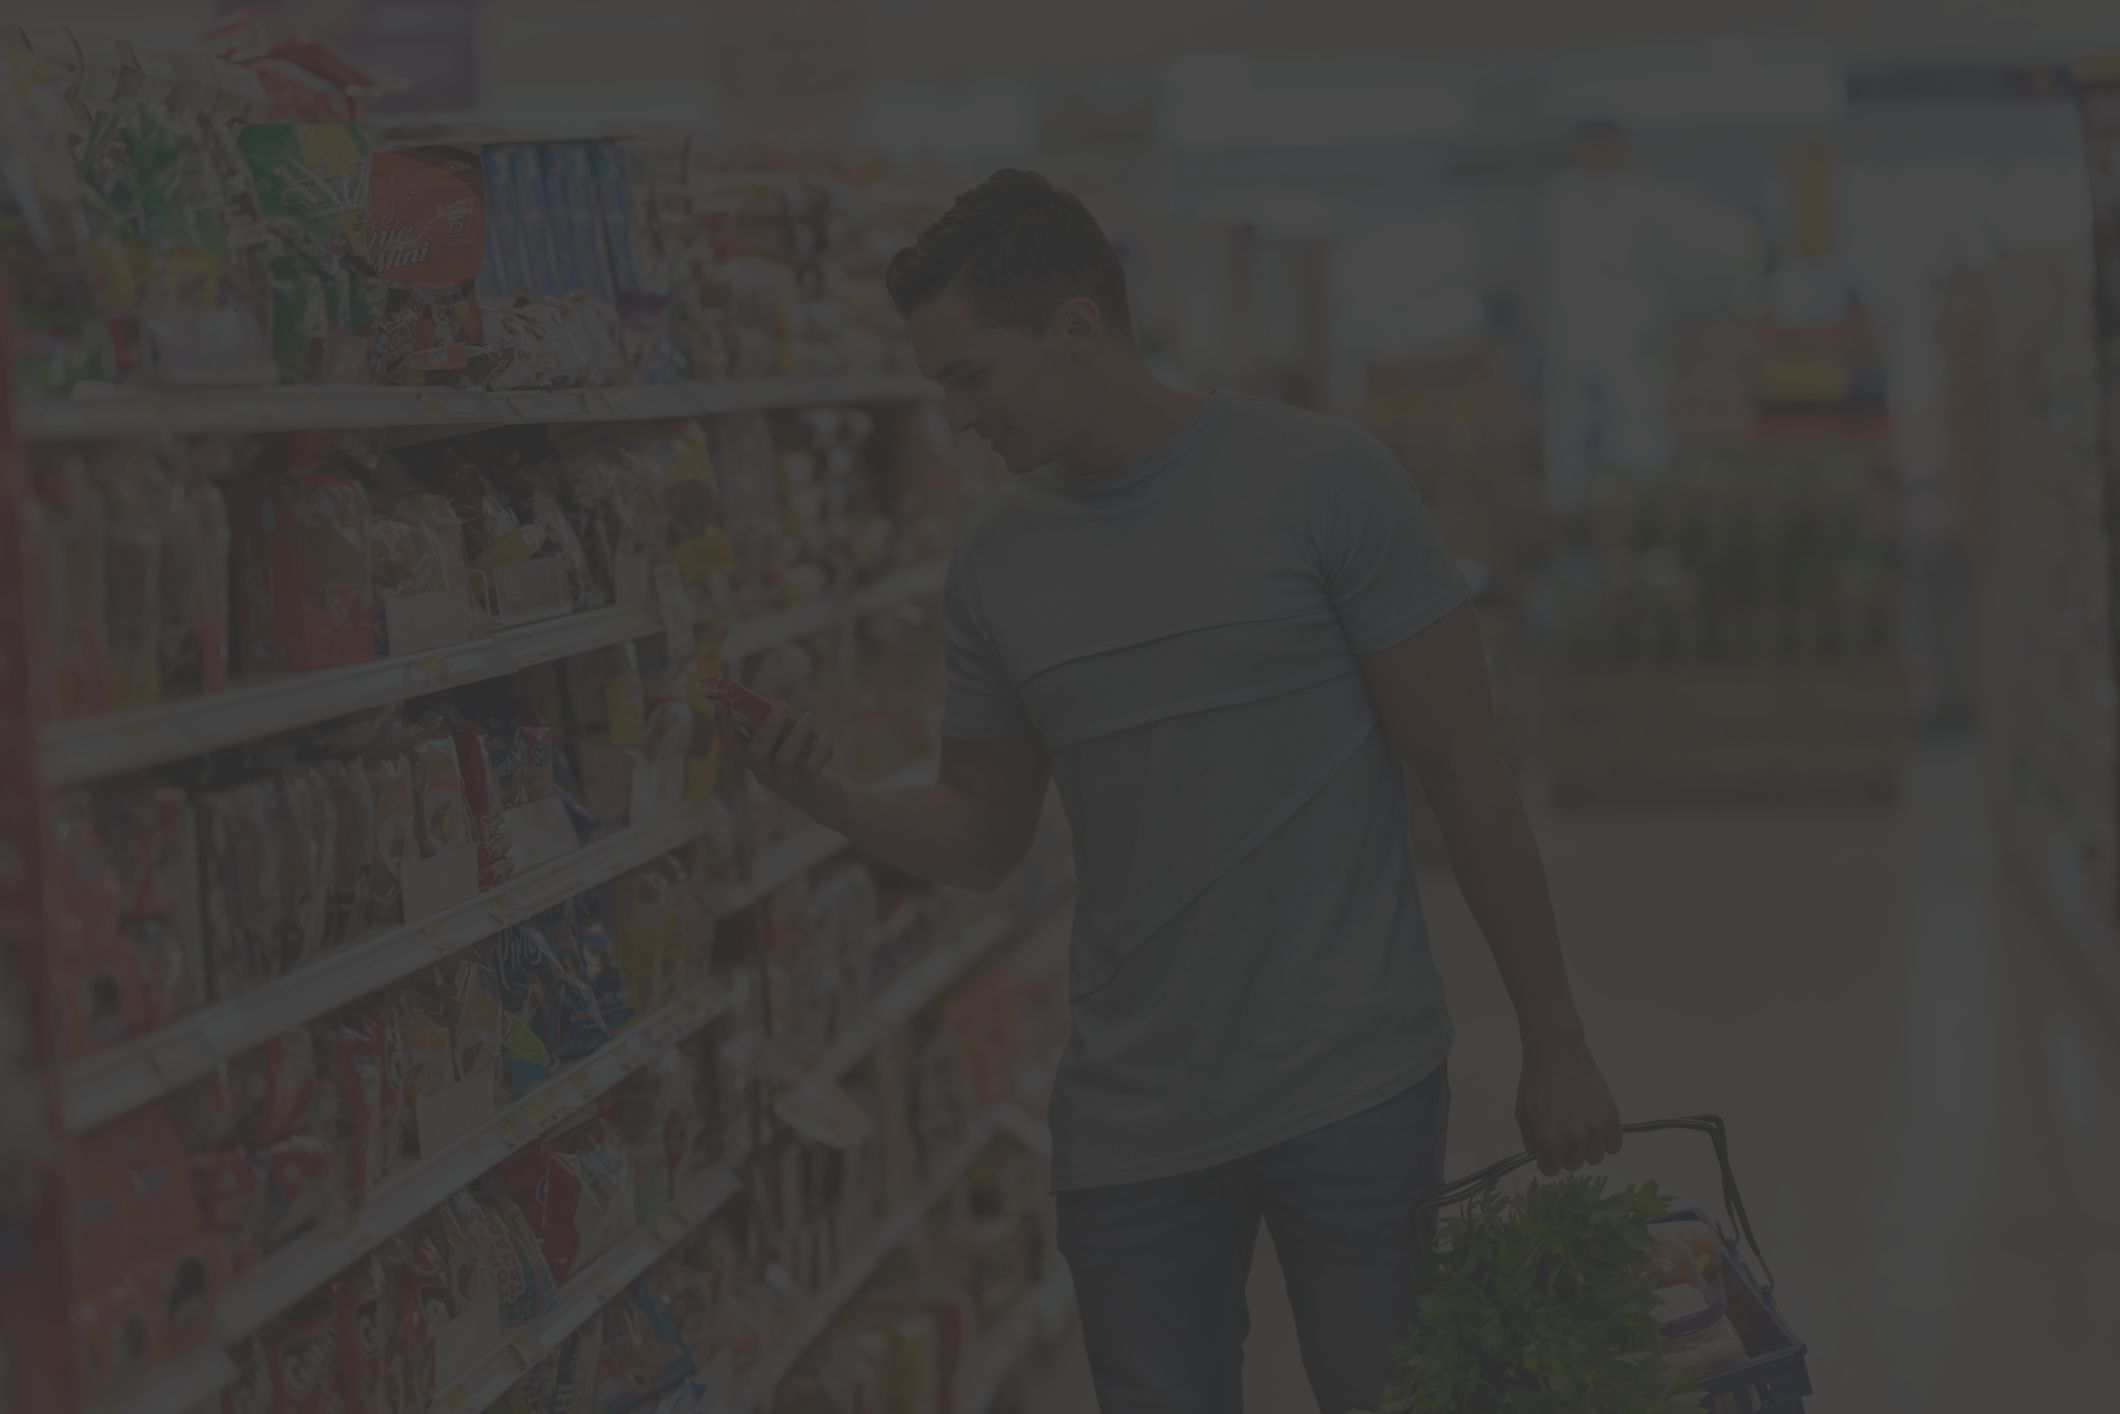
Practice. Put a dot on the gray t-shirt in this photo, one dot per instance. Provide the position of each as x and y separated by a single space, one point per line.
1250 960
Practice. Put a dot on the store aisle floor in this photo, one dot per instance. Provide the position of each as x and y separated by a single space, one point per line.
1919 1087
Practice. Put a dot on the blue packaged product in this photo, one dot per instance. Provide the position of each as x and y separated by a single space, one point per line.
539 268
584 263
530 1014
614 1003
582 1029
642 1355
500 276
611 166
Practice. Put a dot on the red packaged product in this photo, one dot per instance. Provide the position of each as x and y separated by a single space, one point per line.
300 1190
367 1124
419 1302
427 238
86 899
749 709
576 1192
442 815
300 1351
304 592
147 825
483 794
113 1337
184 1283
367 1329
230 1188
102 995
286 1088
165 957
129 1191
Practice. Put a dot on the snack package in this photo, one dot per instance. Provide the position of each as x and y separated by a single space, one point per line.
300 1353
302 567
309 850
530 1012
442 814
747 707
230 1187
313 186
299 1188
353 864
285 1089
396 831
564 1382
367 1328
128 1192
430 1064
113 1327
488 1247
242 886
536 745
419 1299
475 1006
147 825
426 238
642 1356
599 964
102 990
586 977
370 1105
484 795
575 1190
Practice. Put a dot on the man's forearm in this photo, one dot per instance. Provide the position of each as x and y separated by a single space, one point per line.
1503 878
931 832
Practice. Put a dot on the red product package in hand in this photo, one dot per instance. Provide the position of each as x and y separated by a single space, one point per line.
749 709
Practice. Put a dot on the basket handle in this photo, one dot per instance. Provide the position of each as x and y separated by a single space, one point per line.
1459 1190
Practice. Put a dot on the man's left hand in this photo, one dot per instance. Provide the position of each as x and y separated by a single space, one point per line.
1564 1108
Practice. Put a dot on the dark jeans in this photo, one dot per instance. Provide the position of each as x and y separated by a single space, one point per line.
1160 1267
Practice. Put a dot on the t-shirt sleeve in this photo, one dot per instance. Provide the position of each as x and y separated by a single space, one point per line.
980 704
1381 557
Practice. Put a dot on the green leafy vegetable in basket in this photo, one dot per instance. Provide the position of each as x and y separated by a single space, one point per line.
1537 1306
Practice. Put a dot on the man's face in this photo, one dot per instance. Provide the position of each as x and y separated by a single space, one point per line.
1015 390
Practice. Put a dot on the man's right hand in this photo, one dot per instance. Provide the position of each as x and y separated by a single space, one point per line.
789 755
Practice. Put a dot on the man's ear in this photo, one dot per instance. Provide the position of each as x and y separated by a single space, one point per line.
1079 324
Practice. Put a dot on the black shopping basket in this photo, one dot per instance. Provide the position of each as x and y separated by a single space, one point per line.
1774 1380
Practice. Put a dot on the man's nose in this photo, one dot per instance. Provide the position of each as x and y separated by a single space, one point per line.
958 409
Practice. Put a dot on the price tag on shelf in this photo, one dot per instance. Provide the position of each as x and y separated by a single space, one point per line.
527 1350
431 405
143 733
676 609
458 1398
430 668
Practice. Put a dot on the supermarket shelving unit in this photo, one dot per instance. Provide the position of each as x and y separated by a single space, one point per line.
47 757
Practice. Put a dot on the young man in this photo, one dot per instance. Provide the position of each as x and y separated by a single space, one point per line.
1220 625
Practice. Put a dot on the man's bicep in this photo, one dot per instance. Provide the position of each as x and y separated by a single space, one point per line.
1004 778
1432 692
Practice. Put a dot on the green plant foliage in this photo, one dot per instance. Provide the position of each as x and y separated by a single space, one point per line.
1538 1308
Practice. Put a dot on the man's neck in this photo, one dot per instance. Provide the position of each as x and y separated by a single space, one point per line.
1139 412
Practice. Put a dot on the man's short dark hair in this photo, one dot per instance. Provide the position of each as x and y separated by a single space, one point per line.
1018 248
